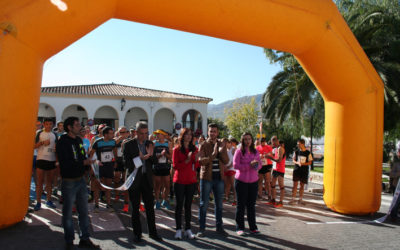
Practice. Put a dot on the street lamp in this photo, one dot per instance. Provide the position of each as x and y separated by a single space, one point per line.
311 112
123 102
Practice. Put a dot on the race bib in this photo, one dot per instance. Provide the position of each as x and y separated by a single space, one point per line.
106 156
274 165
119 152
162 159
263 161
303 159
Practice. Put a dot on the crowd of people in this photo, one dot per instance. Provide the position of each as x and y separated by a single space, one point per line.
169 171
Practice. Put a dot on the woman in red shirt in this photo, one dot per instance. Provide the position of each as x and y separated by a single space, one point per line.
185 163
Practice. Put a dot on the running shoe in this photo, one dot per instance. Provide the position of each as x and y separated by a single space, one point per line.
96 208
141 208
50 204
55 191
166 204
271 202
110 208
301 202
126 208
178 234
234 203
240 232
189 234
157 205
201 233
37 206
278 205
255 232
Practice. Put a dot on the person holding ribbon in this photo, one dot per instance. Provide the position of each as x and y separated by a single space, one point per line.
139 159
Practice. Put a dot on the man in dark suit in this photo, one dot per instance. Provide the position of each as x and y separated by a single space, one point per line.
138 156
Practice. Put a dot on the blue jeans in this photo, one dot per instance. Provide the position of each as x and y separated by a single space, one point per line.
217 187
75 191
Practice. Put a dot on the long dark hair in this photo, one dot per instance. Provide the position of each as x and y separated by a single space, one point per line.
191 147
252 147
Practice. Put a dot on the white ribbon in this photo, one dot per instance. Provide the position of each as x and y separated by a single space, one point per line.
127 184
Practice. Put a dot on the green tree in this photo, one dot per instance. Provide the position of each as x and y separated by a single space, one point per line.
242 117
376 26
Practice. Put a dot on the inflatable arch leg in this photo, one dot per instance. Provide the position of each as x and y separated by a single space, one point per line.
34 30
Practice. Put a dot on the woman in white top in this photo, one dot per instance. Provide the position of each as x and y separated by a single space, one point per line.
230 172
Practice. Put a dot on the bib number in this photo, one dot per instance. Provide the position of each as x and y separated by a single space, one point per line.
106 156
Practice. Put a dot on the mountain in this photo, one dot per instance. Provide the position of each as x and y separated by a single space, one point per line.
217 110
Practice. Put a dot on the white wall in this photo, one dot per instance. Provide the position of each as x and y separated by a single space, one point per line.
73 111
91 105
106 112
164 119
134 115
46 110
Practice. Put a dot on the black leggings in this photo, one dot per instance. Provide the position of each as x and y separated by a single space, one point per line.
183 193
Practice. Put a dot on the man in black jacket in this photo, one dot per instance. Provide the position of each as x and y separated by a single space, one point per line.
72 159
138 156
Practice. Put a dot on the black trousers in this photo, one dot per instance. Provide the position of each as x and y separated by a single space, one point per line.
184 195
246 199
143 189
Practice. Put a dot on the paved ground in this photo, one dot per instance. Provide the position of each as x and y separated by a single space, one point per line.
312 226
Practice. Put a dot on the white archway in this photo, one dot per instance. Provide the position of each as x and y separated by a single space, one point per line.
194 120
106 115
77 111
46 111
134 115
165 119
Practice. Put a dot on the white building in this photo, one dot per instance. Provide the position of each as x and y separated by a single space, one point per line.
118 105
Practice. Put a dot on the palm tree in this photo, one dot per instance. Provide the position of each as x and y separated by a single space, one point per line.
376 26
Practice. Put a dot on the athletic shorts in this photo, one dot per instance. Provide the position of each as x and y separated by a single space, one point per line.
265 169
45 165
276 174
300 175
229 173
106 171
161 172
120 165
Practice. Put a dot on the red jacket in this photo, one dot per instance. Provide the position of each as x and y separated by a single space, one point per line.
185 173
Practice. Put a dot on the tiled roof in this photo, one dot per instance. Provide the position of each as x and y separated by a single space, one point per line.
113 89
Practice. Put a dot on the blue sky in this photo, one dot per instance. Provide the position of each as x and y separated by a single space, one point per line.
158 58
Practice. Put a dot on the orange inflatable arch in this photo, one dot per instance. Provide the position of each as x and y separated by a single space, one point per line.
312 30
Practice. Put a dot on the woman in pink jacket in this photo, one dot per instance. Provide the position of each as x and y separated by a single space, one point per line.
247 163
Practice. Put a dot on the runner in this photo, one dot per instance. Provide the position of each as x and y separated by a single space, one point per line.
264 174
278 173
72 161
45 144
247 163
162 169
213 157
106 153
60 129
119 174
302 158
185 164
230 173
38 126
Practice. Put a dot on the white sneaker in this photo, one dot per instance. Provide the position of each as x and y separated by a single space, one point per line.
178 234
189 234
